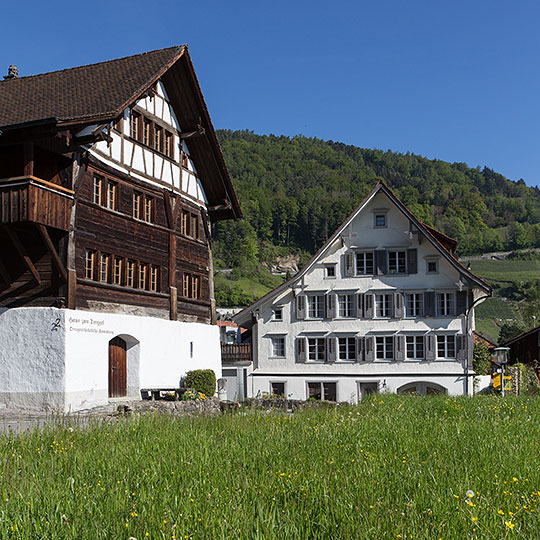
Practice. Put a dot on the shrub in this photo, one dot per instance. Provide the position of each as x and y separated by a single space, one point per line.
201 380
480 360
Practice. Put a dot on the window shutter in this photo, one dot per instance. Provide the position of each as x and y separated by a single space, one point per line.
399 348
360 305
461 302
359 349
300 306
368 306
331 348
369 353
381 258
461 349
412 261
349 264
429 304
398 305
470 349
331 301
300 350
429 346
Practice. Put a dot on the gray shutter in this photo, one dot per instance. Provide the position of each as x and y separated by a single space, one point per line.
470 350
429 304
461 302
300 306
349 264
412 261
399 348
359 349
368 306
360 305
331 307
331 353
368 349
461 347
380 261
429 347
300 350
398 306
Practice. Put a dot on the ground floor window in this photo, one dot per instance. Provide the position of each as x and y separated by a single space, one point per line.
422 389
322 390
316 349
367 388
277 389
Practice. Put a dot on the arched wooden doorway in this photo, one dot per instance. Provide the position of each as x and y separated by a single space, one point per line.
117 367
420 388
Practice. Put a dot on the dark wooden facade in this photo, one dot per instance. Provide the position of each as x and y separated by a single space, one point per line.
62 246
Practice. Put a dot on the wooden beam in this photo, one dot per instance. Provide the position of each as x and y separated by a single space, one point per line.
28 159
172 209
23 254
72 289
173 292
52 250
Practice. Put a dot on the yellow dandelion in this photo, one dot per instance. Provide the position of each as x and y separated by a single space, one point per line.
500 512
509 524
475 518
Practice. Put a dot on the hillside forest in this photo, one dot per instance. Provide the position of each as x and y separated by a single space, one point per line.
295 192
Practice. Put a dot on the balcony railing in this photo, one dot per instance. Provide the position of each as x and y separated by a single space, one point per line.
31 199
236 353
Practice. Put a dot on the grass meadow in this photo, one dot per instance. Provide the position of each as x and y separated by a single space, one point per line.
392 467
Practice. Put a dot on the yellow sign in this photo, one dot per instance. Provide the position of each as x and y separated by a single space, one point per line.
497 381
507 377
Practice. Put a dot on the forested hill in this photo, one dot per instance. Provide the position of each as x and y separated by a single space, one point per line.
295 192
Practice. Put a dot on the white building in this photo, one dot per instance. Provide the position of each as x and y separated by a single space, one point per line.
383 306
110 177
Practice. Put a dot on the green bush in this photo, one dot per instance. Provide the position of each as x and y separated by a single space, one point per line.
201 380
480 359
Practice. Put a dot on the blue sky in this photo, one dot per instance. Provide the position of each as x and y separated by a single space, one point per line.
458 81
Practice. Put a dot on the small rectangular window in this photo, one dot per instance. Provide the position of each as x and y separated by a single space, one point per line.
432 267
154 278
330 271
277 314
278 347
277 389
97 191
315 307
446 346
415 347
169 149
346 305
194 228
322 390
142 275
158 138
147 132
317 349
112 195
148 209
184 160
347 348
89 259
414 304
137 198
184 223
104 267
383 305
385 348
135 123
130 277
117 273
445 304
397 262
364 263
380 220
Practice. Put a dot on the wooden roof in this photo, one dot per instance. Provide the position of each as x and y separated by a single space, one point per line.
99 93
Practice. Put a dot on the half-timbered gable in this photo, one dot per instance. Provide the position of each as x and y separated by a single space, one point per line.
110 178
383 306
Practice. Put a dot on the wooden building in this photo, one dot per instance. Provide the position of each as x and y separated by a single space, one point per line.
111 175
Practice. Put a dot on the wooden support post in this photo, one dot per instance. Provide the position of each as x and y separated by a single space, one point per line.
28 159
52 250
72 289
173 291
23 254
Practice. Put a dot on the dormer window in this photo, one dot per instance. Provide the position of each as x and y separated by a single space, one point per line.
330 271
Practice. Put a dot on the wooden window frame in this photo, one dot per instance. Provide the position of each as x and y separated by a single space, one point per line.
131 269
97 189
89 263
112 188
142 276
104 267
135 125
149 209
118 270
154 278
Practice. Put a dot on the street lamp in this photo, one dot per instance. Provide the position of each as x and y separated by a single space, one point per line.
500 356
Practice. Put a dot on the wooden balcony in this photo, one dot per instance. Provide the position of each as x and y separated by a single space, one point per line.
236 353
27 199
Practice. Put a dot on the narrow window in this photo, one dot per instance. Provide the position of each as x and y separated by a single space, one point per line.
154 273
169 150
89 264
191 349
158 138
147 132
185 285
184 160
130 278
196 288
112 192
137 197
135 123
184 223
97 190
104 267
194 227
142 276
118 267
148 209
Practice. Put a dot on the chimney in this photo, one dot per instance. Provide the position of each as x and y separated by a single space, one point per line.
13 73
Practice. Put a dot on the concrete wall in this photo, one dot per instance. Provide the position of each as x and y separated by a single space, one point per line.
32 373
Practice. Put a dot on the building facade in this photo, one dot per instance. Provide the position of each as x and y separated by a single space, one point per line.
383 306
110 178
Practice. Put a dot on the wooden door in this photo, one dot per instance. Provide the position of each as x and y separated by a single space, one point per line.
117 367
